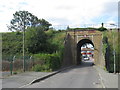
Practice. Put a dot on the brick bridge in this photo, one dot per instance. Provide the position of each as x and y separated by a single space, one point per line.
73 42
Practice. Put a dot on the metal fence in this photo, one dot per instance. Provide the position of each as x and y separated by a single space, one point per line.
15 63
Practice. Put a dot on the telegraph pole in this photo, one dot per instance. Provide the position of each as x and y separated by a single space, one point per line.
24 45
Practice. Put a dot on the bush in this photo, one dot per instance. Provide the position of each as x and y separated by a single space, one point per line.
54 61
14 72
51 62
40 68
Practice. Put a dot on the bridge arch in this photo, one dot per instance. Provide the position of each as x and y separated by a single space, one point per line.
79 45
73 42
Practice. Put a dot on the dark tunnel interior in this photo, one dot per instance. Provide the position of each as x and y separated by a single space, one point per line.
79 45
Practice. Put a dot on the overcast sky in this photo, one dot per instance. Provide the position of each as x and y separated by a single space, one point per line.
62 12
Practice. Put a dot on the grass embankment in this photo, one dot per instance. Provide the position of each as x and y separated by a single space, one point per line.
110 43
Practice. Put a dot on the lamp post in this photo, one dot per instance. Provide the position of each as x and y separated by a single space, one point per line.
114 48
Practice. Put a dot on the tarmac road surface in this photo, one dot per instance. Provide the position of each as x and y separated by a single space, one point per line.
83 76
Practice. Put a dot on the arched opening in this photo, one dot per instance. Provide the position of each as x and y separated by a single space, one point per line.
85 51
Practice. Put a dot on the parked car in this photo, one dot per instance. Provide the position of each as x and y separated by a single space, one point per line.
86 59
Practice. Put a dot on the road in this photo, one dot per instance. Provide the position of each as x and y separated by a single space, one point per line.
83 76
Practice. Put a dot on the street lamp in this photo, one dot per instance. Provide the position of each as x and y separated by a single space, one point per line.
114 48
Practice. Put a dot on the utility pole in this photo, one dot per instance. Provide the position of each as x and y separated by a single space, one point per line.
24 45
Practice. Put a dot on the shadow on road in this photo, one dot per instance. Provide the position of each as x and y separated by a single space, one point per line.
84 64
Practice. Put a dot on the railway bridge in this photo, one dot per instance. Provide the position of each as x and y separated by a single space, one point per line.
74 41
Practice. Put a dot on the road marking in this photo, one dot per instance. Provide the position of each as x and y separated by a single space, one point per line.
101 81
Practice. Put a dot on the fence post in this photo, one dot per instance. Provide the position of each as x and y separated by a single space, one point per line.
11 66
33 61
30 62
13 62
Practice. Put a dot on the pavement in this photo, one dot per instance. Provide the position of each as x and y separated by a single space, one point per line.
108 80
26 78
22 79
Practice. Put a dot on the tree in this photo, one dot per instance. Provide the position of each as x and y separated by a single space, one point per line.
102 29
11 43
35 40
22 20
44 23
68 28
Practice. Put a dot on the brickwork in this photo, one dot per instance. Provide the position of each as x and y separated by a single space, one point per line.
74 37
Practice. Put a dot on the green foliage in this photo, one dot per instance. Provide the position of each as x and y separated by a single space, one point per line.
38 39
45 24
11 43
55 41
14 72
23 19
105 43
89 28
50 62
40 68
102 29
53 58
105 68
35 40
68 28
112 37
45 47
104 48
